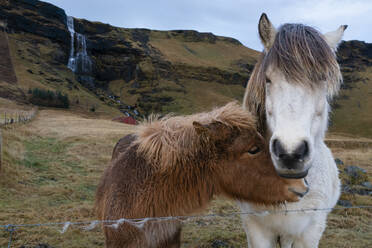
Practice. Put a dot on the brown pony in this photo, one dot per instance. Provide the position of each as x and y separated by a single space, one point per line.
176 165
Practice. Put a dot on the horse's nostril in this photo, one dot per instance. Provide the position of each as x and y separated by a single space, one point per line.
274 147
302 150
278 149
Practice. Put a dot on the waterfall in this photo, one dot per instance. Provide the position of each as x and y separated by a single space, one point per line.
84 64
79 61
71 61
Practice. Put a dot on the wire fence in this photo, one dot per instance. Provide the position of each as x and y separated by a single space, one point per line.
140 222
12 117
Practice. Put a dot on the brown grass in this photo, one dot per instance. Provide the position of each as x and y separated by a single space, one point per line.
195 100
11 106
50 170
347 141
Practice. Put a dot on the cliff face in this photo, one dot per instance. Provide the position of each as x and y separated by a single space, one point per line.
355 54
354 57
38 18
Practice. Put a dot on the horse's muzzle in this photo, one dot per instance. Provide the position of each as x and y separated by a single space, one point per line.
299 192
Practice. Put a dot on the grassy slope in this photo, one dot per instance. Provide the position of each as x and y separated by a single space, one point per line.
192 97
220 54
354 114
52 166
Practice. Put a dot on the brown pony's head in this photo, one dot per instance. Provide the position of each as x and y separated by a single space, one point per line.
243 167
222 148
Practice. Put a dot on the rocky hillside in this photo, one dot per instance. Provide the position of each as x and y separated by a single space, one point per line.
138 71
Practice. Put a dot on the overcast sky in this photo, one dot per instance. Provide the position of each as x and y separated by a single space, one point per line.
233 18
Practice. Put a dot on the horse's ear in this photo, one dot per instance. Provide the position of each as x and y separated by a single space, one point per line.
267 31
214 129
333 38
199 128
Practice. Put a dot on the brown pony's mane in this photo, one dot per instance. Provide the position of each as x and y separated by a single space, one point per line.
301 53
171 140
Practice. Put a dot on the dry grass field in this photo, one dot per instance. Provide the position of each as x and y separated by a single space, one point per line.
51 167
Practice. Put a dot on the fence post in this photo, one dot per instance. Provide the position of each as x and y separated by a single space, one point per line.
18 117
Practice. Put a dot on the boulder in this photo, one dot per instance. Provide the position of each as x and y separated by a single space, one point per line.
356 174
339 161
344 203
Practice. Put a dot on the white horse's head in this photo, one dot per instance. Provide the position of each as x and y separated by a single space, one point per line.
290 88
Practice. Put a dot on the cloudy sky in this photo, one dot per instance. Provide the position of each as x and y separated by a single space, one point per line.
233 18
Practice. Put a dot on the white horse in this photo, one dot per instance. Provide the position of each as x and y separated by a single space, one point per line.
289 90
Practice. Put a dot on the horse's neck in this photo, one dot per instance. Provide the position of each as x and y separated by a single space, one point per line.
186 189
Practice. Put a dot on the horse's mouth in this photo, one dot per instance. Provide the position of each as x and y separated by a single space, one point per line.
294 175
301 194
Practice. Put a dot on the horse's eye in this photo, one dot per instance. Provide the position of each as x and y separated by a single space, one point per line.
254 150
268 81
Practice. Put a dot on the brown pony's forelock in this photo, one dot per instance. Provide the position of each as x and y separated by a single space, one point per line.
301 53
170 140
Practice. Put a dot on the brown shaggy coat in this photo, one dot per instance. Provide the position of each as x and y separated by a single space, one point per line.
175 166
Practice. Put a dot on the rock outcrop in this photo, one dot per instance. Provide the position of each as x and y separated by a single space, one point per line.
38 18
355 54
